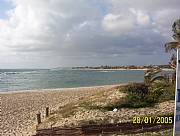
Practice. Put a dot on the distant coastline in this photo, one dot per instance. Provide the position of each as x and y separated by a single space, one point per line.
130 67
101 69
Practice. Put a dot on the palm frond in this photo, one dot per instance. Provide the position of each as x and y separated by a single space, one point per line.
176 30
158 78
176 26
171 46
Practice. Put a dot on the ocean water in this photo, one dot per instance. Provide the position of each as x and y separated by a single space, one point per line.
28 79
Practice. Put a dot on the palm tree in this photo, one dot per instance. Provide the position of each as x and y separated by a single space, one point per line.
173 46
151 74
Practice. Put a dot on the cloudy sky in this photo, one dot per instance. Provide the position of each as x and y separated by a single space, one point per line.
55 33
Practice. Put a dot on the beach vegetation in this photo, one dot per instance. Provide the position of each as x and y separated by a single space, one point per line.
162 91
139 95
67 110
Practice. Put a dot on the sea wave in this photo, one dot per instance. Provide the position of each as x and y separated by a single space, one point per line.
30 72
21 72
9 73
106 71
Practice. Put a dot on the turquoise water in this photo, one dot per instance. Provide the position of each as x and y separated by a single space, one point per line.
20 79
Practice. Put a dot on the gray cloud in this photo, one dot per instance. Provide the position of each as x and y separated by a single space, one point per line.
50 33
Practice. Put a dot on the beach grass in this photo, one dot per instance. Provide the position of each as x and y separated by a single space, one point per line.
138 96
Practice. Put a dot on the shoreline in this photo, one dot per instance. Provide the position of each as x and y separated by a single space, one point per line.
120 69
62 89
108 69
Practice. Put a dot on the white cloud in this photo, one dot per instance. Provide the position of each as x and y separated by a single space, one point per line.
158 14
163 20
118 24
126 21
83 24
35 23
142 18
47 32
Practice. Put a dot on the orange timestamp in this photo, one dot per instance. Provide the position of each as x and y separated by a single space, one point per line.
153 120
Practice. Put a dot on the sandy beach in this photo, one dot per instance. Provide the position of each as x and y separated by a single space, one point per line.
19 109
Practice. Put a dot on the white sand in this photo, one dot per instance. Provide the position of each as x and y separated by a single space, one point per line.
19 109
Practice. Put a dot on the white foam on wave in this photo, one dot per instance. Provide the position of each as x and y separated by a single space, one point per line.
106 71
29 72
19 72
9 73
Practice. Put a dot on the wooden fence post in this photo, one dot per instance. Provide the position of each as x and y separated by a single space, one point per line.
38 118
47 111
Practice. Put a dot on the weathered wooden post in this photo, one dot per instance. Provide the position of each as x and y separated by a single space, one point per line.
38 118
47 111
168 79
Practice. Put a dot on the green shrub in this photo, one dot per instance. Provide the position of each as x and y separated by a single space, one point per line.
137 97
163 91
137 89
140 95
